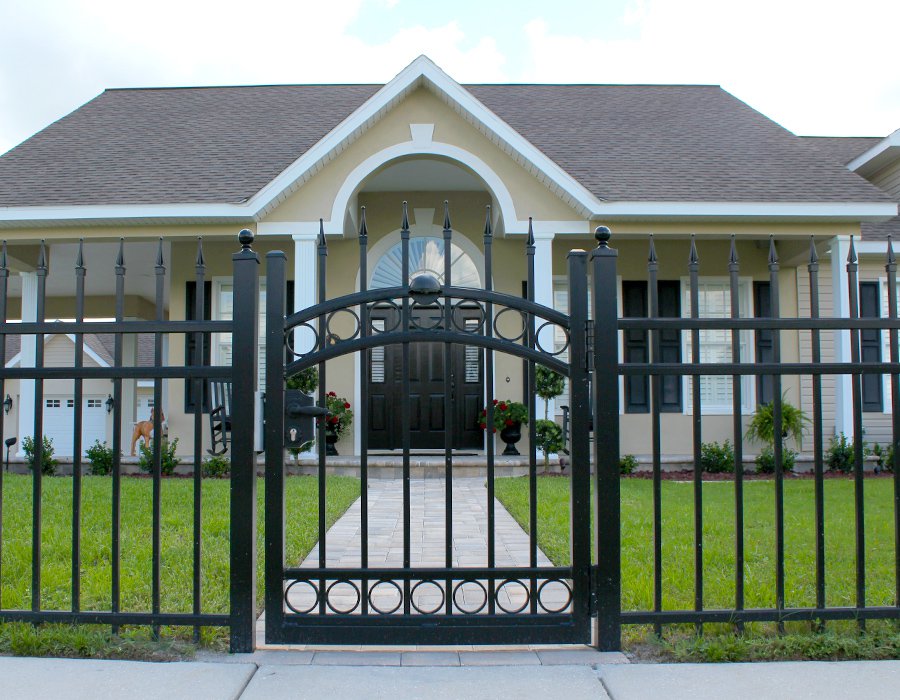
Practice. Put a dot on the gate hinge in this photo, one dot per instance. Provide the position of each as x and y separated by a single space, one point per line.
594 577
589 345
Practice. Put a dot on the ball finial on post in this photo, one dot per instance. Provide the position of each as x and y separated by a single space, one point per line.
602 234
245 237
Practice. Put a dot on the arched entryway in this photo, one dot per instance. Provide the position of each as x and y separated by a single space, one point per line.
426 361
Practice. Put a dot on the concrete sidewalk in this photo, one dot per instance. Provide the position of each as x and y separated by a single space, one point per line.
275 675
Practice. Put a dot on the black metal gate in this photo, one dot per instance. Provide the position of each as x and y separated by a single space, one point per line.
487 604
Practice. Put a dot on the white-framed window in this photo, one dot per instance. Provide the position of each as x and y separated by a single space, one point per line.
223 310
715 345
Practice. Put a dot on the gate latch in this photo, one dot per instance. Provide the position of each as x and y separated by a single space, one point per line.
299 413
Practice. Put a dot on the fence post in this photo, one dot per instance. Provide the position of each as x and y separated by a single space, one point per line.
243 460
607 543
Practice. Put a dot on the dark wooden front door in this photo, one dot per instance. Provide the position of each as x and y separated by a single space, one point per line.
426 395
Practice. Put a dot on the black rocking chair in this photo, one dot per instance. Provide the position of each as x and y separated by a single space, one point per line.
219 416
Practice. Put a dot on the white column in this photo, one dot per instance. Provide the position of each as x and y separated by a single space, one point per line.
305 284
129 387
840 289
28 356
543 294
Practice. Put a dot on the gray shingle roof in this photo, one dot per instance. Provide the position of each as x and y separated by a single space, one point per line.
211 145
842 148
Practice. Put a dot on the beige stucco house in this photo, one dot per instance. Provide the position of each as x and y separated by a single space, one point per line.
666 160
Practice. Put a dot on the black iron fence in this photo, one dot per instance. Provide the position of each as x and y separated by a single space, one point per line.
607 371
241 616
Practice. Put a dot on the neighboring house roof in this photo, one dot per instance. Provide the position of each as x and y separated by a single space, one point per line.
224 144
102 346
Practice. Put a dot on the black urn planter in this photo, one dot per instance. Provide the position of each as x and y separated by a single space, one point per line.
331 439
511 434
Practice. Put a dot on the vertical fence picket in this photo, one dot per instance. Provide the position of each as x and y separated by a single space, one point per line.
818 437
322 251
157 436
737 433
891 269
363 410
697 422
655 433
856 383
489 404
405 407
198 391
77 447
777 435
116 544
532 342
4 290
38 434
448 405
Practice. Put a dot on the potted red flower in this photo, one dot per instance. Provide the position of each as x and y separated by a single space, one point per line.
509 416
337 422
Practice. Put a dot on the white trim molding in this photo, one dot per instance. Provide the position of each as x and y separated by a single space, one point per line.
878 156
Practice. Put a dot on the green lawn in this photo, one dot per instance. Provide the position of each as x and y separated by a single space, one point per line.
176 534
718 534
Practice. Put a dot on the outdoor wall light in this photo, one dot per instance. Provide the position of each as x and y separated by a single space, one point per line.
7 404
110 403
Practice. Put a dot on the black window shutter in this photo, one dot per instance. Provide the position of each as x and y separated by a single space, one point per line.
764 342
634 305
870 346
190 347
670 346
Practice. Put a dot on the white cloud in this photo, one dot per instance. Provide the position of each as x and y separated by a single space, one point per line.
809 65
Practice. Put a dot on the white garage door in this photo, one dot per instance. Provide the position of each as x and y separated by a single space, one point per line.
59 421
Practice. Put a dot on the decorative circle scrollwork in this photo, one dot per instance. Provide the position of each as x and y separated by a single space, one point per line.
508 582
329 332
459 587
306 331
497 325
459 319
387 582
540 590
334 609
290 605
538 334
415 605
377 312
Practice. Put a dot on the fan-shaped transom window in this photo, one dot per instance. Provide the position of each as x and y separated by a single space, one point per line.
426 256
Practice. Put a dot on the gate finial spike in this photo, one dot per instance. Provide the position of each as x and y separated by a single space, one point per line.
530 233
733 255
42 257
79 259
201 261
813 255
773 254
694 259
404 223
363 229
447 226
851 256
891 260
159 254
651 256
321 240
488 230
120 258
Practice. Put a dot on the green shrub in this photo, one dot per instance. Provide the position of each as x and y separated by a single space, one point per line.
101 458
841 454
549 437
216 467
548 384
765 461
48 464
169 460
716 458
306 380
627 464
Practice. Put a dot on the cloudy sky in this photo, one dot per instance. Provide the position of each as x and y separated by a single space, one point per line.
815 67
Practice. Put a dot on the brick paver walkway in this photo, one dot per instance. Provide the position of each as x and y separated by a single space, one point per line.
427 546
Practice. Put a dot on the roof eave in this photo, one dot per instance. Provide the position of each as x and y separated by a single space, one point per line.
881 154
